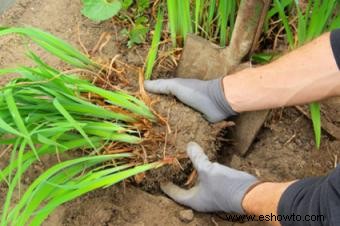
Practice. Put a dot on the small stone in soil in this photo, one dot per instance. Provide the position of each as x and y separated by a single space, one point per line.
186 216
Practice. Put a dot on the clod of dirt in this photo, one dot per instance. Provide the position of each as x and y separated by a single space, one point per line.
186 216
186 125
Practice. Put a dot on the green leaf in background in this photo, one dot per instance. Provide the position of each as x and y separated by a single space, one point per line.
99 10
143 5
137 35
142 20
126 4
152 55
262 58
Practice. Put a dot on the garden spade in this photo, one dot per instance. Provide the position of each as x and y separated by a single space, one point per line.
204 60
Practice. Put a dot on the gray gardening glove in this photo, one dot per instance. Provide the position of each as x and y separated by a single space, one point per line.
206 97
219 188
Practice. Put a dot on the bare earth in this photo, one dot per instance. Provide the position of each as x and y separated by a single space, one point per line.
283 150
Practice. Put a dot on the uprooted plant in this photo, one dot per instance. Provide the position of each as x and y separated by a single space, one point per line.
45 111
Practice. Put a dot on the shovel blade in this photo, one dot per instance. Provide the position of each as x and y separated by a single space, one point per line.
202 60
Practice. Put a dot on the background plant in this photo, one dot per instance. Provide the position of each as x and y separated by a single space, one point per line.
152 54
211 19
101 10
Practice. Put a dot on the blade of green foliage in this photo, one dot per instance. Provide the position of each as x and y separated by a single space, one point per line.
52 44
316 119
226 10
111 134
198 11
185 22
18 120
91 109
64 180
115 98
274 11
98 183
71 120
152 55
278 5
203 19
172 17
223 17
60 184
211 13
302 23
7 128
34 201
29 158
12 185
6 71
335 24
232 16
31 199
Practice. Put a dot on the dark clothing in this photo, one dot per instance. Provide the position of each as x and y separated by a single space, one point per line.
314 201
335 43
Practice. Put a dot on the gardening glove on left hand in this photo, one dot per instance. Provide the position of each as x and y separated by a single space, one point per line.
206 97
219 188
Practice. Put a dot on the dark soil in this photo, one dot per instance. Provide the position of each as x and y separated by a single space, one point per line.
284 149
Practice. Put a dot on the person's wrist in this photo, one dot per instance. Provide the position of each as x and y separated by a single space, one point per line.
216 93
231 92
237 88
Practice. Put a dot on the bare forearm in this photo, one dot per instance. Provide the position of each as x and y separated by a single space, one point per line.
301 76
255 203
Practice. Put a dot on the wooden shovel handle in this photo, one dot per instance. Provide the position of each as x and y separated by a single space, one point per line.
248 26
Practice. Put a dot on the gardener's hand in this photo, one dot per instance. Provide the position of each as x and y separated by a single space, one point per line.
204 96
219 188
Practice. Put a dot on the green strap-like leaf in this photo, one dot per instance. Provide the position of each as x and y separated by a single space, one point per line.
42 180
17 119
152 55
316 119
9 129
98 183
73 122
